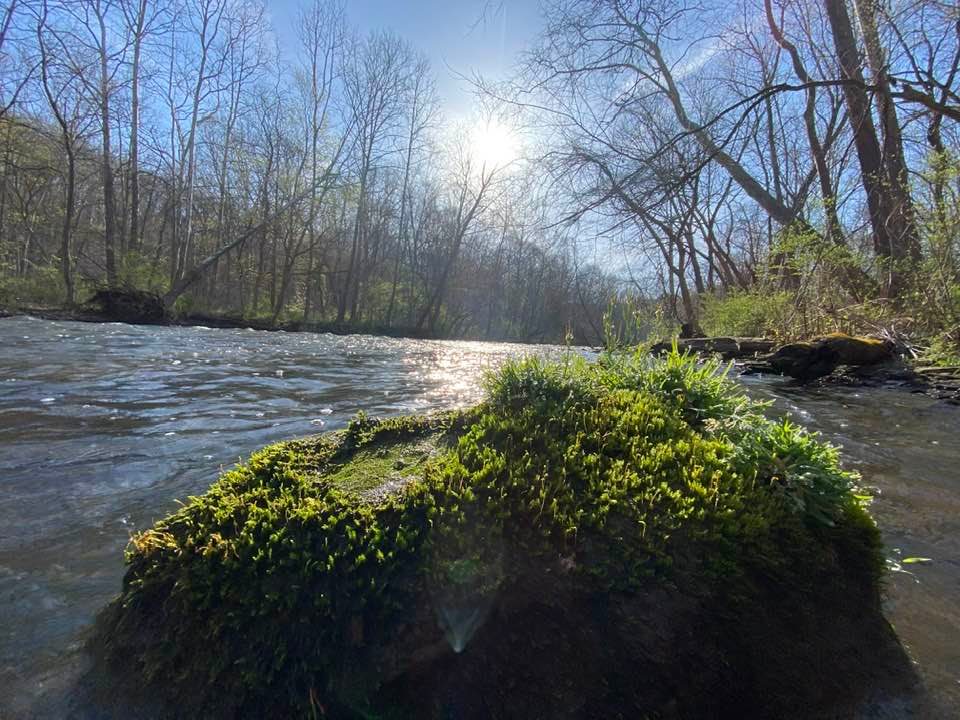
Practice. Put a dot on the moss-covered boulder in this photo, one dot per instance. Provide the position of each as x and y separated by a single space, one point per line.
628 538
817 358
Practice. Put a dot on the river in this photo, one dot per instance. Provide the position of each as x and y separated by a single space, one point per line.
104 427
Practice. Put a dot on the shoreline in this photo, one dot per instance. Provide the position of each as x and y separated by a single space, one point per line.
226 322
759 356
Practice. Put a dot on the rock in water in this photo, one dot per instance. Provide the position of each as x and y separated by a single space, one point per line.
621 539
807 361
859 350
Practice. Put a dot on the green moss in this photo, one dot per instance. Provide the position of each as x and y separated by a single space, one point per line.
861 339
393 466
296 576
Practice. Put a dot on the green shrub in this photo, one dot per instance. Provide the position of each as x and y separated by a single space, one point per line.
186 304
140 271
750 314
944 349
42 287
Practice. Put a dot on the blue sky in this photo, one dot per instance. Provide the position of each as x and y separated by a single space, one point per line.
455 35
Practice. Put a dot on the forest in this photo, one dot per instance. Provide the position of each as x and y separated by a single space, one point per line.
172 147
750 167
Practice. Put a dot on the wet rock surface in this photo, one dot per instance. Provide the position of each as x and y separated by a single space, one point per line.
807 361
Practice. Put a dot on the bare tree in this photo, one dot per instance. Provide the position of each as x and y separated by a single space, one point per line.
373 85
322 39
208 18
94 19
475 183
62 87
13 53
893 237
141 18
423 107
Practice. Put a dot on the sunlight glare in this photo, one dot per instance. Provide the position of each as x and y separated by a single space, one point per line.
493 144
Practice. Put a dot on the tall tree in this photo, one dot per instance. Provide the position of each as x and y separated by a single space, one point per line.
474 182
422 109
322 40
95 18
64 96
903 221
140 17
373 84
892 239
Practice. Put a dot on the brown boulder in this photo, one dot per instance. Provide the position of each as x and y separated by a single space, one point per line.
858 350
810 360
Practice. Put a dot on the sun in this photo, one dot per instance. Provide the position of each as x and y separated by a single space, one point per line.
493 145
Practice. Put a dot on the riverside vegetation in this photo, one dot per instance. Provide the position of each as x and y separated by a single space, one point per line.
621 538
801 177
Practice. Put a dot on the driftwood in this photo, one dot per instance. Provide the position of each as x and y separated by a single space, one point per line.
731 348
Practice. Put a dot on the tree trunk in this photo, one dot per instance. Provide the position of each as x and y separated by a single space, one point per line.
133 242
106 167
887 245
346 295
401 229
65 263
902 220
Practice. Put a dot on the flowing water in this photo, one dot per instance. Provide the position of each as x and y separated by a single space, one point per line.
104 427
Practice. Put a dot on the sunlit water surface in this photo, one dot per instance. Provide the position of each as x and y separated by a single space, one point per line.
104 427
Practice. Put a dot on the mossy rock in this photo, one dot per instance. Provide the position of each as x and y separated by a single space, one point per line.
820 357
858 349
628 538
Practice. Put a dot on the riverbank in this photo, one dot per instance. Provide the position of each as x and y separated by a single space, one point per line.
750 356
82 314
832 360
